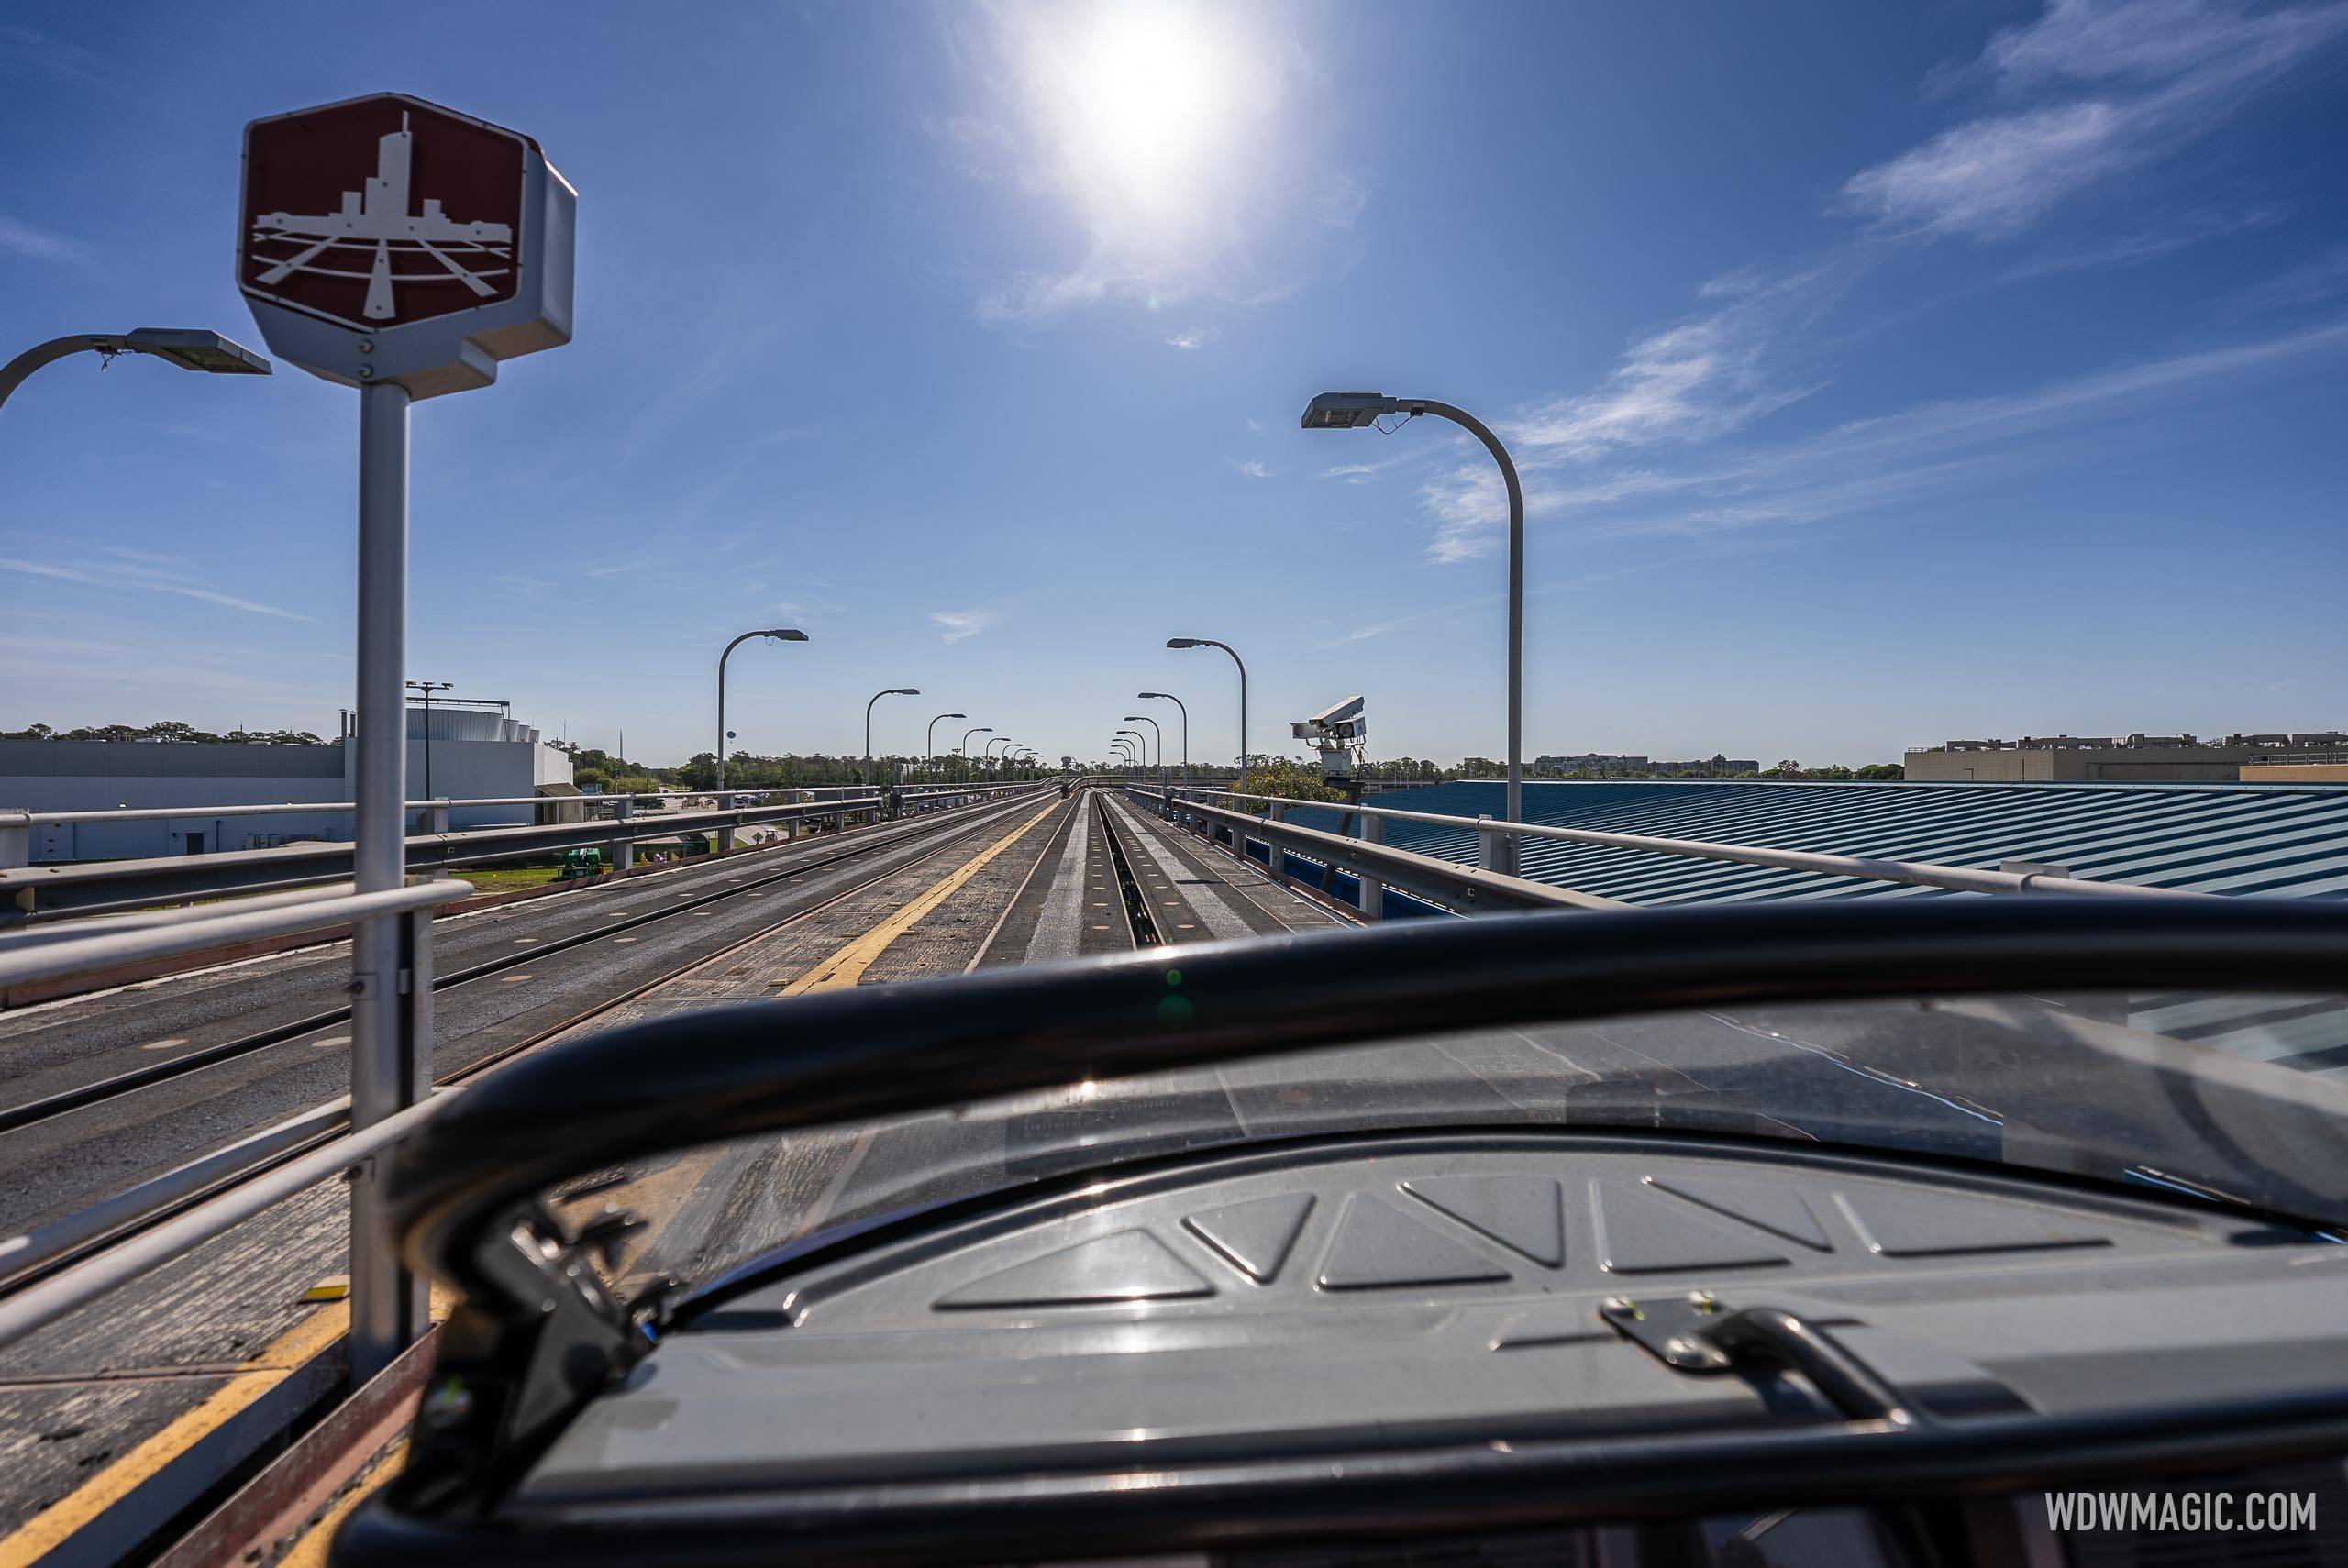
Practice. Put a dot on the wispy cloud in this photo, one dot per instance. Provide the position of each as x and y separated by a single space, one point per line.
2103 88
23 47
2090 90
26 240
1929 449
2320 277
1191 338
1255 469
1361 473
960 624
123 575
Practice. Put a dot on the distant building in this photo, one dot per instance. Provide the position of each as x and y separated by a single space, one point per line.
476 754
1608 765
2136 758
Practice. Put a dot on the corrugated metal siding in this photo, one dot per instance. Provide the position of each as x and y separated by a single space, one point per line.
2287 841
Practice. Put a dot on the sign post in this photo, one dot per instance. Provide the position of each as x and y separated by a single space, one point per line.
390 244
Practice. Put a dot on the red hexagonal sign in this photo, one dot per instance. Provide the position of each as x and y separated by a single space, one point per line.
381 212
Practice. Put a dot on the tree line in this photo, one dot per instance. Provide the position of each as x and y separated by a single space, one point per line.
167 730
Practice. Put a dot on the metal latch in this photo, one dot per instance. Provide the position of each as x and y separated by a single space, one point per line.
1699 1335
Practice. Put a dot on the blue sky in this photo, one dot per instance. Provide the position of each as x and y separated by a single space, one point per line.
1880 373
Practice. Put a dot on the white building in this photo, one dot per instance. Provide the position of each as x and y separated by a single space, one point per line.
475 755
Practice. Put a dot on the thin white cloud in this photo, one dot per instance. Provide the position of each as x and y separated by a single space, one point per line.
26 240
27 48
2123 82
1694 382
1340 201
1255 469
960 624
124 574
1190 340
1931 449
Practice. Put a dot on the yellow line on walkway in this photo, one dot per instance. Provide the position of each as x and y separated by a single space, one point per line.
847 966
285 1355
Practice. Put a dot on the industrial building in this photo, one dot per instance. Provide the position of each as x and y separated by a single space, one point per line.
472 753
2120 759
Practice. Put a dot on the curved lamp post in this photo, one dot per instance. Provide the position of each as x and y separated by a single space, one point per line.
963 751
1351 411
1145 718
190 349
929 741
892 691
780 634
1169 696
1241 782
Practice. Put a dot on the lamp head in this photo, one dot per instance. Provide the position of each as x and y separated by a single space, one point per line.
785 634
1186 642
1349 411
197 350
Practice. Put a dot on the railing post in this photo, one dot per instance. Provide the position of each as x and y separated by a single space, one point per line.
1491 845
16 840
390 1306
1373 891
623 849
1274 857
725 833
436 816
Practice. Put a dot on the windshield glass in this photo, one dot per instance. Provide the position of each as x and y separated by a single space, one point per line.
2226 1098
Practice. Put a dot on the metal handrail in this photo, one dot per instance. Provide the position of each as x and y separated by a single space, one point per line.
84 889
1914 873
134 939
1425 876
33 818
53 1298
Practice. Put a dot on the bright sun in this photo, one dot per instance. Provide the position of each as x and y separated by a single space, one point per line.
1147 90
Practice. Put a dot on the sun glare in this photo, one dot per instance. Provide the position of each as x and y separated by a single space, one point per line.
1147 93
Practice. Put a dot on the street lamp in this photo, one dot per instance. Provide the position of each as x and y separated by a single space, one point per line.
1211 643
987 751
963 750
1169 696
428 687
189 349
929 739
780 634
1145 718
1141 749
1351 411
893 691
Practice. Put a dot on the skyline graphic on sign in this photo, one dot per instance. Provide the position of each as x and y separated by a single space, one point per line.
378 215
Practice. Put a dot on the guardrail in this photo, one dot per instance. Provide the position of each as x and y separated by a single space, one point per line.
31 893
65 1265
1491 833
1376 866
377 1333
33 818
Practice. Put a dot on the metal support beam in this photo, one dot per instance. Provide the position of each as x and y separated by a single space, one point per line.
388 1063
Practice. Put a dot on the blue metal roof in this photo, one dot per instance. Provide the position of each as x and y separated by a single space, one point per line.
2281 840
